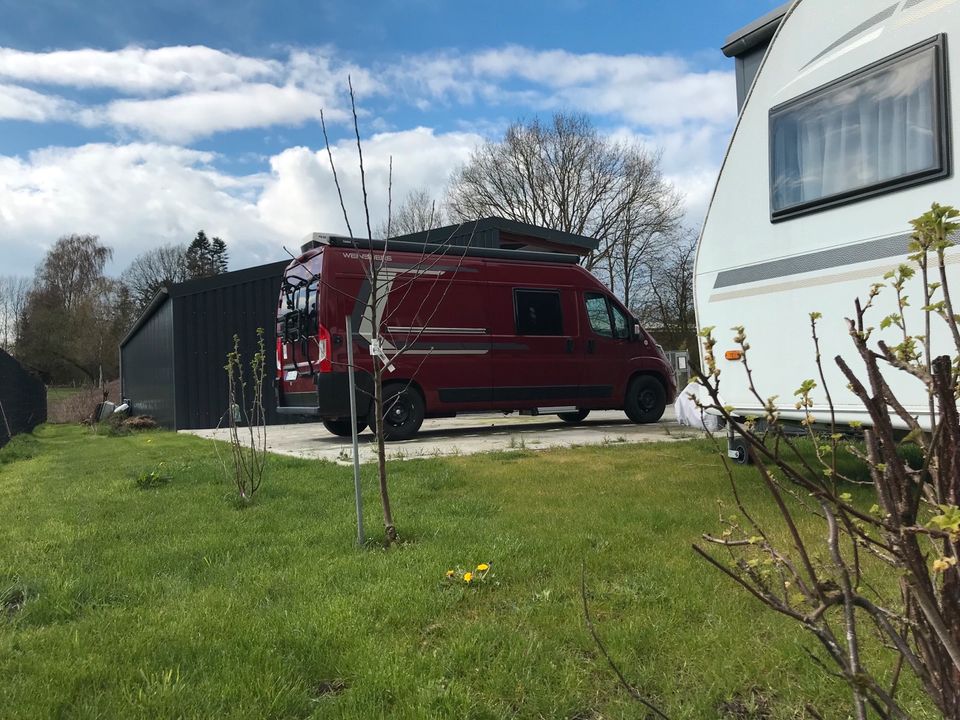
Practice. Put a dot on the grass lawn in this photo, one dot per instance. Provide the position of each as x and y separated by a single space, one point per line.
175 602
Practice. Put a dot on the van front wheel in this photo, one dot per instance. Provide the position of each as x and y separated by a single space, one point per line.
646 399
403 412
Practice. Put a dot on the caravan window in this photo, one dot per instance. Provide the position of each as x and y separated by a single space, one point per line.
876 130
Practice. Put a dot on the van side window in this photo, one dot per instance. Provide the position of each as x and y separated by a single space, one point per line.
598 314
621 325
876 130
537 312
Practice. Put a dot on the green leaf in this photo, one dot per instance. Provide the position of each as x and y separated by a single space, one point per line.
948 520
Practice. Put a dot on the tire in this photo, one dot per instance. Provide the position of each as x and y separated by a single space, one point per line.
573 418
645 400
403 411
739 451
341 427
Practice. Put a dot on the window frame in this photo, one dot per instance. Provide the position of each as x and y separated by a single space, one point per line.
612 307
516 310
606 303
943 135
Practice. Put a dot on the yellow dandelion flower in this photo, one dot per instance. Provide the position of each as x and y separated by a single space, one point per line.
483 567
943 564
467 577
450 573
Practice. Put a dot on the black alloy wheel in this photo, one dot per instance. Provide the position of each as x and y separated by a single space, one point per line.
646 399
403 412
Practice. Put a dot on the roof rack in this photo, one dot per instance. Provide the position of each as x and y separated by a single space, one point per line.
316 240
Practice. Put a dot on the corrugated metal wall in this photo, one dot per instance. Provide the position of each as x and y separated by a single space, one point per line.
23 398
147 370
205 323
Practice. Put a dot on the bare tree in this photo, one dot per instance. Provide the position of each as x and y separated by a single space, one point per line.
566 176
153 270
13 301
418 290
417 213
664 301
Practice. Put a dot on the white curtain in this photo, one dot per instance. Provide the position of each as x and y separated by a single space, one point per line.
854 135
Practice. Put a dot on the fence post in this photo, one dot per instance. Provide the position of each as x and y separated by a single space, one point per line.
361 540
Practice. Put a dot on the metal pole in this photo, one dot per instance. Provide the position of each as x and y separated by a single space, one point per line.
361 540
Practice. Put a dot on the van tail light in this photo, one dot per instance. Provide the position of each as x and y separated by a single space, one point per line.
323 348
279 359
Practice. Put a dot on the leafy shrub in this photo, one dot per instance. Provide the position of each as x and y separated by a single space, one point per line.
21 447
869 634
158 477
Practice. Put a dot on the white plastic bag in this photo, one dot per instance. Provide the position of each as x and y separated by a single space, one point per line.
689 414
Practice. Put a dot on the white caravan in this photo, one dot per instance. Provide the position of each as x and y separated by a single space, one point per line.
844 136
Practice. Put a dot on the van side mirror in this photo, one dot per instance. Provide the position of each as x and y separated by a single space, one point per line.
636 331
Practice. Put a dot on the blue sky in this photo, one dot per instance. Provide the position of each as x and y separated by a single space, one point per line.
142 122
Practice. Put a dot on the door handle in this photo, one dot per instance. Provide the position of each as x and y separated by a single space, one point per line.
569 345
590 346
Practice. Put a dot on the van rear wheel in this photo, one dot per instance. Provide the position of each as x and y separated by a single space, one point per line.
646 399
342 428
403 412
573 418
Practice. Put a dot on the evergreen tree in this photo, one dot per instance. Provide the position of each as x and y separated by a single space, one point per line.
219 256
206 257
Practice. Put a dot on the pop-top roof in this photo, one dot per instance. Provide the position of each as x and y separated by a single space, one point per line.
496 232
492 233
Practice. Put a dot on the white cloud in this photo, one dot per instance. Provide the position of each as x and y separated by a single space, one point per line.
137 70
187 117
180 94
133 196
645 90
19 103
559 68
302 197
141 195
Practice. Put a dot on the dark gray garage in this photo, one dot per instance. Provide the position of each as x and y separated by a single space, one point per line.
171 361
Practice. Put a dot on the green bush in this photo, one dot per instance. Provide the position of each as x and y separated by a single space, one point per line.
21 447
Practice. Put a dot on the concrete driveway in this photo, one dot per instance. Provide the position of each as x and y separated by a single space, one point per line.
469 434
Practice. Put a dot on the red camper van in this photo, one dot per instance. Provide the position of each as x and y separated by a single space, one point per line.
468 329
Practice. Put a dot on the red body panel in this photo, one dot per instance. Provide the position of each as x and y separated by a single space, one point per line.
451 326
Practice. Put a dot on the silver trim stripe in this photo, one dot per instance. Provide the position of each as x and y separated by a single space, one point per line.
858 30
436 330
864 272
812 262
